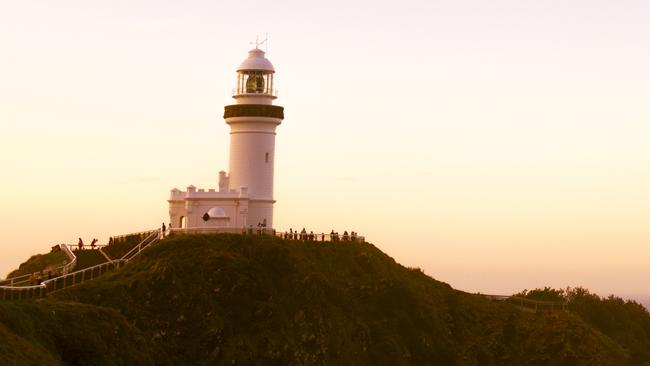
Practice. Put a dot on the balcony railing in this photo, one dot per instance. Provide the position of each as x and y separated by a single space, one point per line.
240 93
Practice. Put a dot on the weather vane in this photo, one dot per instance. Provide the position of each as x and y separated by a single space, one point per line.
265 41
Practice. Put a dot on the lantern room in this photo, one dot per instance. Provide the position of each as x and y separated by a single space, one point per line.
255 76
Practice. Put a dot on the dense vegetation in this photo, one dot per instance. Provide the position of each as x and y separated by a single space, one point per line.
217 299
57 333
626 322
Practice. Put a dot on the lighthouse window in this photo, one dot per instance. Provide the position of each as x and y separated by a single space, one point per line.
255 83
266 157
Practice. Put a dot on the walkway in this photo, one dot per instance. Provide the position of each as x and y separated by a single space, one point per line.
530 305
21 288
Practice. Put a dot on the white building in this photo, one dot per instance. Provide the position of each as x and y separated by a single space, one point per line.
244 197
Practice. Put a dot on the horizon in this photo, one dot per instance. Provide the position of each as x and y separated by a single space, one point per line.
498 147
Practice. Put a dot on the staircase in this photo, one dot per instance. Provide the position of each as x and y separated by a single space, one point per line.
87 265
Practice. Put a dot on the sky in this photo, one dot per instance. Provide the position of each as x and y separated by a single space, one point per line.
498 146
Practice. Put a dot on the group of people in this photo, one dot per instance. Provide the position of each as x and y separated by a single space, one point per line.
38 277
261 229
305 236
302 235
93 243
352 236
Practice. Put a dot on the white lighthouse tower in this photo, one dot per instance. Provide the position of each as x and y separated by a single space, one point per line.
245 194
252 122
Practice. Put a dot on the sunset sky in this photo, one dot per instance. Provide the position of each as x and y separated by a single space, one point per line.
497 145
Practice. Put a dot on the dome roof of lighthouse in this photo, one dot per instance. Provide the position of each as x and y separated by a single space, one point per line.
256 61
216 212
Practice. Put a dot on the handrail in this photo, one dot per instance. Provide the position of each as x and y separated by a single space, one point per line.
155 234
531 301
28 278
73 258
526 303
318 236
12 281
132 234
68 278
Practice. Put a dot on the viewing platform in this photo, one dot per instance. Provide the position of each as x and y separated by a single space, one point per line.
288 235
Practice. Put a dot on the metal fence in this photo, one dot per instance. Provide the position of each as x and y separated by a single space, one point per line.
70 278
29 279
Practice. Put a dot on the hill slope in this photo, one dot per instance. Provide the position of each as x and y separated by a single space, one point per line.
40 262
214 299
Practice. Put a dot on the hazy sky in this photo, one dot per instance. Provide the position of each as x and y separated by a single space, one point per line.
497 145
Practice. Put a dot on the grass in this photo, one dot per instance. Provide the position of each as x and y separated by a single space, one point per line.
40 262
88 258
233 299
119 247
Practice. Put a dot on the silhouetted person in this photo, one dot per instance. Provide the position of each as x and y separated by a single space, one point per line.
346 237
164 228
80 244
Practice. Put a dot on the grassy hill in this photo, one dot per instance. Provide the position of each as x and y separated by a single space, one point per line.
217 299
40 262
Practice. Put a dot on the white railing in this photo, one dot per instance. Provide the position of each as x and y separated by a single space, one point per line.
19 280
319 236
73 259
67 278
29 279
152 238
266 231
530 304
120 237
240 93
538 305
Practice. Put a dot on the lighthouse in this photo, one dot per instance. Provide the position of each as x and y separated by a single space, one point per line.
253 121
244 197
